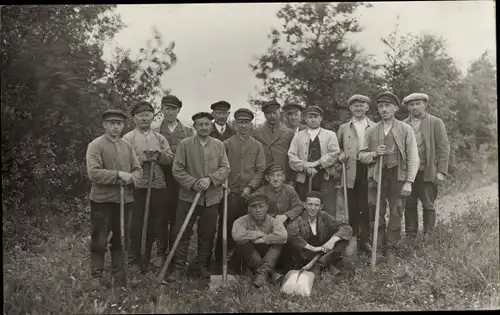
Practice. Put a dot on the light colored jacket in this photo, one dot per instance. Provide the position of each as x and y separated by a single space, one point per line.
437 146
408 160
349 142
298 153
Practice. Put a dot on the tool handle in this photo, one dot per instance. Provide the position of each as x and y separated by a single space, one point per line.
344 182
311 182
224 236
179 236
377 212
311 263
146 210
122 233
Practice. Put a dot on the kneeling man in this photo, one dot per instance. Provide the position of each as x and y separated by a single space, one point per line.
316 231
259 239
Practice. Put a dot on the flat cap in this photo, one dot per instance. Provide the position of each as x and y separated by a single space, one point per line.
220 105
416 97
171 100
270 106
142 106
313 109
257 197
116 114
202 115
273 167
388 97
314 194
289 106
243 113
358 98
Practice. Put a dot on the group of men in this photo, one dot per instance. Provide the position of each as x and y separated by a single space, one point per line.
281 184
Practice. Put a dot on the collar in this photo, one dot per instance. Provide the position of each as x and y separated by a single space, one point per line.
277 126
174 124
243 138
421 118
363 121
313 221
197 139
258 222
106 136
142 132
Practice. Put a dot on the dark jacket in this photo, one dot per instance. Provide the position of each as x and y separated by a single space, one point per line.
228 133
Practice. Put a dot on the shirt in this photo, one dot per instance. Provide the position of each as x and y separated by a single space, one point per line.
313 224
220 128
172 126
415 124
284 201
313 133
246 227
360 126
150 140
194 161
105 157
387 127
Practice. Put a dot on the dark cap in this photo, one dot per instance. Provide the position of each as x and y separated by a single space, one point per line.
243 113
388 97
117 114
202 115
171 100
358 98
273 167
220 105
289 106
270 106
257 197
314 194
313 109
142 106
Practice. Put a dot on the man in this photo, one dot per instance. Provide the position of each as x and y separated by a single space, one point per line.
200 166
174 131
284 203
220 129
148 146
274 136
395 141
293 114
433 152
313 152
259 239
316 231
248 163
111 162
351 139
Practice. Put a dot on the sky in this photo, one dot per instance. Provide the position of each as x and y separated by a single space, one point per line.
215 43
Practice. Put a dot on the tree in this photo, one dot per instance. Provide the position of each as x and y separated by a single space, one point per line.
315 65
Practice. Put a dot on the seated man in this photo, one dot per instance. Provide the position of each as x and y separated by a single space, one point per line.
285 204
316 231
259 239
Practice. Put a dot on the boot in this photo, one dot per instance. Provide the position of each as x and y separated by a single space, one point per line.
259 280
391 258
174 276
316 269
429 221
411 222
365 247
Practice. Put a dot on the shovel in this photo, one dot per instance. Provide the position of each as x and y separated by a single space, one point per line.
217 280
146 213
352 247
163 270
122 233
300 281
377 212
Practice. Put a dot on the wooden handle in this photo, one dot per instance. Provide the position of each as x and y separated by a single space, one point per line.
146 211
311 263
179 236
311 182
122 233
344 182
224 236
377 212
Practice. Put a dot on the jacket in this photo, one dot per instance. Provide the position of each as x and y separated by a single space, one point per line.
298 153
437 145
408 160
228 133
348 142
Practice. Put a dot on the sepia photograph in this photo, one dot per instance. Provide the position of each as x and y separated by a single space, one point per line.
249 157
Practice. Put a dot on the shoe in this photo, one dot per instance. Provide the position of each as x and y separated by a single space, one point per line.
366 248
205 272
259 280
275 276
317 272
391 258
174 276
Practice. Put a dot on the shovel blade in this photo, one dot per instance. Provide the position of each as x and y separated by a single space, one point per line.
295 284
217 282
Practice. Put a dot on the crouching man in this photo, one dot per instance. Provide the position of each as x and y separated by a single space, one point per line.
259 239
316 231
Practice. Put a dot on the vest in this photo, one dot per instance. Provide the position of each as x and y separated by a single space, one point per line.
314 155
420 144
391 159
314 239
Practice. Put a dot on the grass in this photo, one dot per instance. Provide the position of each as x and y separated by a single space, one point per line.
458 269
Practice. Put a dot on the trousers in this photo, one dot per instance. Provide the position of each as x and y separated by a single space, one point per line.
260 258
168 219
426 192
357 202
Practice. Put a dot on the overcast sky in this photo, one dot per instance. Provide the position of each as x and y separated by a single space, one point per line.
216 42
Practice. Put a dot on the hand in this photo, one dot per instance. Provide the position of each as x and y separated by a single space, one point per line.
246 192
328 246
343 158
440 178
311 171
381 150
203 184
125 177
152 155
317 249
282 218
406 189
259 240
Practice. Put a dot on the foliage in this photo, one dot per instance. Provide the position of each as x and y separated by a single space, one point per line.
54 87
458 269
